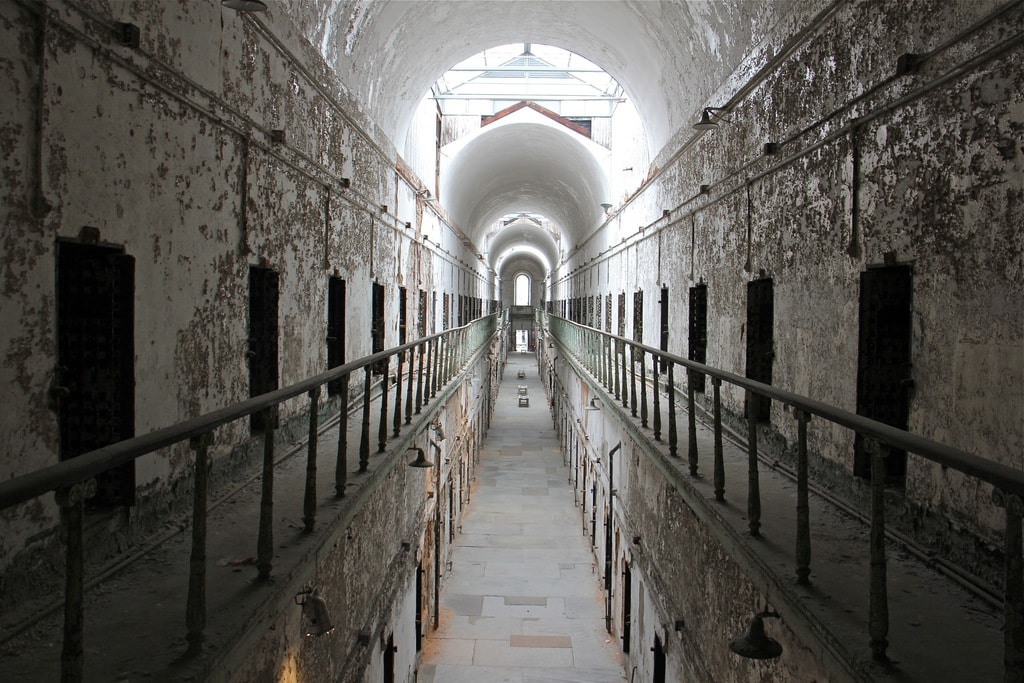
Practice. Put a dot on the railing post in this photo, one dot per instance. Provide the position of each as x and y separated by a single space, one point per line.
397 420
803 512
673 434
428 377
72 510
419 379
265 542
341 464
382 427
632 380
691 409
309 499
878 606
753 482
195 605
643 388
617 378
364 432
719 474
408 393
657 404
625 378
1013 595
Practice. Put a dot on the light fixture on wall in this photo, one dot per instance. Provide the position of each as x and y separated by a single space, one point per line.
709 118
755 643
245 5
315 619
421 459
593 405
606 206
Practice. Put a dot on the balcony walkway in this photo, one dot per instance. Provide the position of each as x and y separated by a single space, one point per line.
522 601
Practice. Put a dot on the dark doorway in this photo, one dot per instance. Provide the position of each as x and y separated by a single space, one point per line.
638 316
263 298
403 311
883 360
419 606
698 330
389 659
335 329
421 320
663 325
659 661
761 338
627 605
377 324
96 359
608 571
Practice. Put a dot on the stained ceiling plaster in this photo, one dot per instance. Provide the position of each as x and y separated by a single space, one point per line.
668 56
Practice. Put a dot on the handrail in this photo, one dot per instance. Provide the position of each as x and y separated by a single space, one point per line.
604 356
78 469
433 361
1008 479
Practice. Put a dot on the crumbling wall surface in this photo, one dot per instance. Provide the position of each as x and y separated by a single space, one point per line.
220 142
875 158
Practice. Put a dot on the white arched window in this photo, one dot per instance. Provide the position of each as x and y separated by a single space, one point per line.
522 291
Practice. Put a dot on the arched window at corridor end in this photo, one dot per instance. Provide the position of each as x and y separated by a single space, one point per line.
523 289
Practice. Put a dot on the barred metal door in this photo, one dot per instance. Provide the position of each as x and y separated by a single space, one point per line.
335 329
263 298
883 359
698 330
96 359
761 337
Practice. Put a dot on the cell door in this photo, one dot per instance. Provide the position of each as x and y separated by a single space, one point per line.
698 330
335 329
638 316
389 659
403 311
263 300
663 337
418 622
883 359
659 661
627 605
96 359
761 338
377 324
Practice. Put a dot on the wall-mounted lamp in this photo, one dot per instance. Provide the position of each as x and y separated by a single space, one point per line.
709 118
315 619
771 148
593 405
606 206
421 459
908 64
346 183
755 643
245 5
277 136
679 625
704 189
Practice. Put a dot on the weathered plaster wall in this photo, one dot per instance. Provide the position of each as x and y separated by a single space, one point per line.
167 149
925 168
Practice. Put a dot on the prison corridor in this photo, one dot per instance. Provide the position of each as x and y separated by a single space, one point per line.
521 599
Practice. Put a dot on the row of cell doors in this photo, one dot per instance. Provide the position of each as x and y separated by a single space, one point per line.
94 388
884 344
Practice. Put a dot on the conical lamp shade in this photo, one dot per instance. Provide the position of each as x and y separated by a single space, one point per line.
755 643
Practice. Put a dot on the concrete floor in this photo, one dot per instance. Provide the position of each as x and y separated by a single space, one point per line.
522 601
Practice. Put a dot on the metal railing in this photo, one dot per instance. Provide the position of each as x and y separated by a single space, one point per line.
621 366
422 368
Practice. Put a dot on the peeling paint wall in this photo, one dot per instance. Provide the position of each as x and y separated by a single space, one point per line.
170 151
869 167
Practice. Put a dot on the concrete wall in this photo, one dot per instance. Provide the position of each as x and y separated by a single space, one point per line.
167 150
925 169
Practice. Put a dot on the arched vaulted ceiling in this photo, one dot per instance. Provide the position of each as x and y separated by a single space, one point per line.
525 167
525 235
669 57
